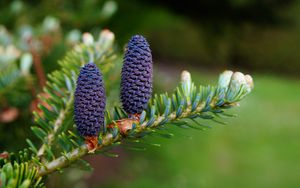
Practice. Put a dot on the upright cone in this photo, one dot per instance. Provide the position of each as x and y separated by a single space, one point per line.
136 82
89 104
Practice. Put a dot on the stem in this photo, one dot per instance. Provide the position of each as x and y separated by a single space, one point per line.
73 155
63 160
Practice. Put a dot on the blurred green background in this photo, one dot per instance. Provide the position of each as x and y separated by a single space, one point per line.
259 148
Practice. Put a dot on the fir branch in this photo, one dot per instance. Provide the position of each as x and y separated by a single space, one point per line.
122 128
62 147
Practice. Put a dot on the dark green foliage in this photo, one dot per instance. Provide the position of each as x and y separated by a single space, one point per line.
235 11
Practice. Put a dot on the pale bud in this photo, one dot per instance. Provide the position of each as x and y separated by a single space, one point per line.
9 54
51 24
87 39
249 82
185 76
73 36
106 38
237 79
109 8
26 62
225 78
13 51
186 81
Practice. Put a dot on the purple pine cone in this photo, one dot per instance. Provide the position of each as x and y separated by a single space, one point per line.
136 82
90 101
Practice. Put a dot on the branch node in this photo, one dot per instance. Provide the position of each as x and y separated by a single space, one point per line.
92 143
124 125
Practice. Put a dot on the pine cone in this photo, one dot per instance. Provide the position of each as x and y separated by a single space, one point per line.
136 82
90 101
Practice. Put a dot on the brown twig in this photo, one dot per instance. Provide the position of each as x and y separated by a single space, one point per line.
38 68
